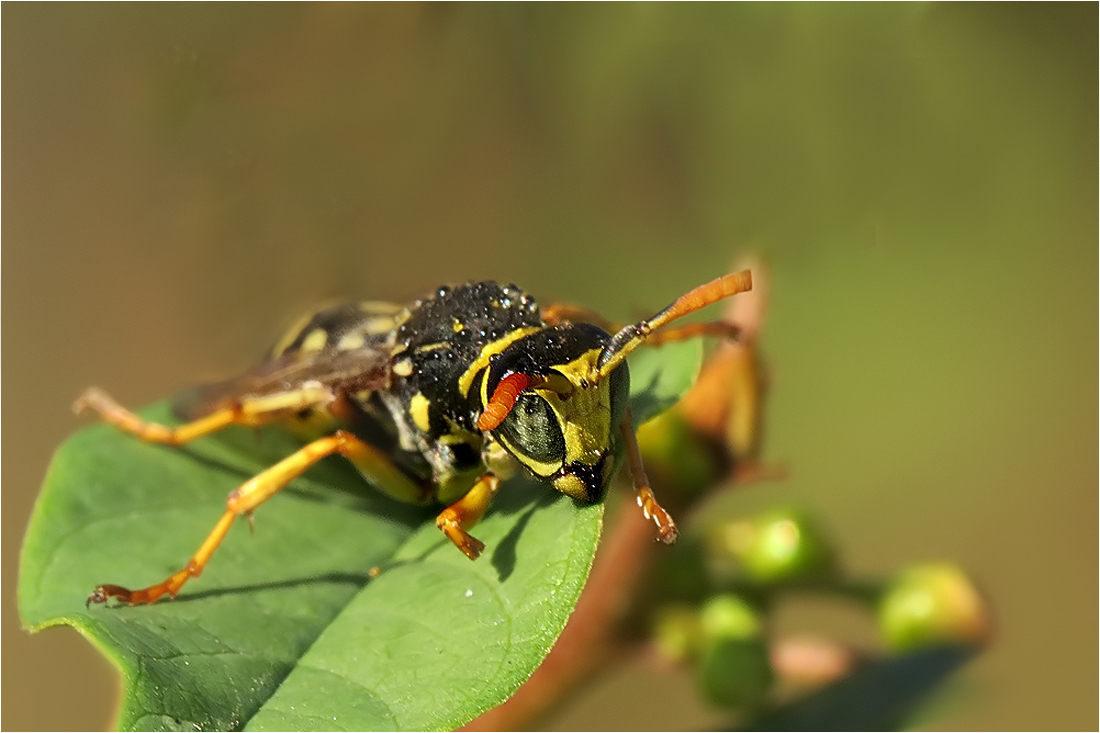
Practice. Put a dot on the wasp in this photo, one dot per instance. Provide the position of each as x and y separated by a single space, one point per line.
434 403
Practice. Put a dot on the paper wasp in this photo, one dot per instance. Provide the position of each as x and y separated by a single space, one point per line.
435 402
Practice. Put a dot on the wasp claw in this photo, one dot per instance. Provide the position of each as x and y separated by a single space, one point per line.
474 549
667 533
666 527
104 593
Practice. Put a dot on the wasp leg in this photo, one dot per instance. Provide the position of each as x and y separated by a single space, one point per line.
556 313
381 472
252 412
666 528
465 513
691 330
241 501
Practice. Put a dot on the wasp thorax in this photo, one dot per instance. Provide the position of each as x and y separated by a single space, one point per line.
563 422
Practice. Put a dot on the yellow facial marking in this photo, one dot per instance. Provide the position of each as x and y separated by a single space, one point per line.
562 386
315 341
456 325
403 368
418 409
482 361
571 486
583 409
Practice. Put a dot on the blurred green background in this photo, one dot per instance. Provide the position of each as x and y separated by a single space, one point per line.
181 180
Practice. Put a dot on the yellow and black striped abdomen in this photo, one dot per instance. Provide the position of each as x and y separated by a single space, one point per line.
342 327
338 344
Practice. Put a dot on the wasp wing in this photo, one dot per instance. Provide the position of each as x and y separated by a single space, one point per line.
341 371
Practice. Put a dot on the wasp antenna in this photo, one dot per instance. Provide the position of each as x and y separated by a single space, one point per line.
503 400
633 336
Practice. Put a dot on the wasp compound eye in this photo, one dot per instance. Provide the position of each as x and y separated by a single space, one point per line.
532 433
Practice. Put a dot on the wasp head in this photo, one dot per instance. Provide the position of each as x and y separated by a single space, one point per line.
546 403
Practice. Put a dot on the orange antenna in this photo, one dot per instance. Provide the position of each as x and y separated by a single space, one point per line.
503 400
631 337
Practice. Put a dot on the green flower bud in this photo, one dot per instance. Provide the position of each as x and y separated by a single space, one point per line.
781 545
733 668
678 632
932 604
675 457
728 616
735 673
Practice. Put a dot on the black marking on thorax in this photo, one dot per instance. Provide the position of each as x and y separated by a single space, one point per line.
444 335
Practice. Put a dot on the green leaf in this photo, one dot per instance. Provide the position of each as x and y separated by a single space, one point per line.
654 386
881 696
286 629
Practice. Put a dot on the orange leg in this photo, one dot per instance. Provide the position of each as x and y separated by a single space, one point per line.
666 528
252 412
465 513
556 313
712 328
241 501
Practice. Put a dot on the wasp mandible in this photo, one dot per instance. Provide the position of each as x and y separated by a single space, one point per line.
435 402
